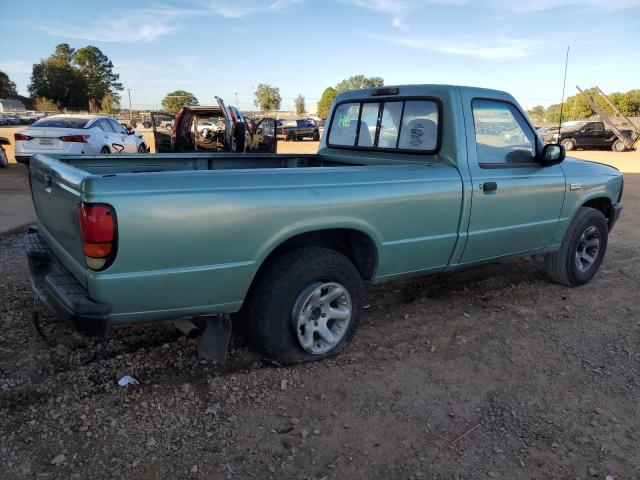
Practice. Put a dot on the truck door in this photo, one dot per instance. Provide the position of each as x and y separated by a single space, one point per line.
516 202
161 140
264 137
588 135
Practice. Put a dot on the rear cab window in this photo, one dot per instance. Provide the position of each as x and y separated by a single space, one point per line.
405 125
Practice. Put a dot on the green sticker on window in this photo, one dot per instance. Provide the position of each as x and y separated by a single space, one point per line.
344 121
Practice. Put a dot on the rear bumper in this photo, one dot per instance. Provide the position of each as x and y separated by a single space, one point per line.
616 210
60 291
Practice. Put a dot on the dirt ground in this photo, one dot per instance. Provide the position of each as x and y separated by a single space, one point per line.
545 378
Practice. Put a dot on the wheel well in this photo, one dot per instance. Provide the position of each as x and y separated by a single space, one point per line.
354 244
601 203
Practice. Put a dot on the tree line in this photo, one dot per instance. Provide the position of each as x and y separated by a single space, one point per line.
576 107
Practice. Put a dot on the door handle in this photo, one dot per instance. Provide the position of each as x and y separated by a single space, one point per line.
489 187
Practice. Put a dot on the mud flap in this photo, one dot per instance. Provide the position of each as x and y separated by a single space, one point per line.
214 340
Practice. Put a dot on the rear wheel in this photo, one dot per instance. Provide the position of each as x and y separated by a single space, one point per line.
582 249
142 148
305 307
105 149
618 146
146 124
316 136
291 137
568 144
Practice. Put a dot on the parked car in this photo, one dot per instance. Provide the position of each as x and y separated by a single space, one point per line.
230 134
289 241
299 129
76 134
586 134
4 161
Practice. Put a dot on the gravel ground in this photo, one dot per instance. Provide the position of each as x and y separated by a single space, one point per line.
545 378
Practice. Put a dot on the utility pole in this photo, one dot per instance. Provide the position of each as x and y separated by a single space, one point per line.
130 113
236 99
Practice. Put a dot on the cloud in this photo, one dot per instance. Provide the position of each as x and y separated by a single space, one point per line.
152 23
532 6
500 49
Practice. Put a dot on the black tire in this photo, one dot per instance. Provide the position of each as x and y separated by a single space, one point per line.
142 148
618 146
146 124
271 304
105 149
290 137
316 136
562 266
568 144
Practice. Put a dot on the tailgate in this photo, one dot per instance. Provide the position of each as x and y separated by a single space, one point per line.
56 190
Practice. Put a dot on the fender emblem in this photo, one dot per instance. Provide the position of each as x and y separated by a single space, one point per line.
575 186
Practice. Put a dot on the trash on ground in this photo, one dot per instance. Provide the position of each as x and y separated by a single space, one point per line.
127 380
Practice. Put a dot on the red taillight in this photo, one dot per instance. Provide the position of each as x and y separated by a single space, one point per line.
21 136
98 232
75 138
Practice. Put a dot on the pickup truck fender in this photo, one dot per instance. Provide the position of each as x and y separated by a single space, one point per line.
587 183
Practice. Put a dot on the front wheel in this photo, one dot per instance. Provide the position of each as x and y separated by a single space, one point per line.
305 307
618 146
568 144
582 249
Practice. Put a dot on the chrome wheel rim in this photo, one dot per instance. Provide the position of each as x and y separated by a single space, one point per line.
588 248
321 316
620 146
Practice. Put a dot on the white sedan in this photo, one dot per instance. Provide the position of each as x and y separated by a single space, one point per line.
77 135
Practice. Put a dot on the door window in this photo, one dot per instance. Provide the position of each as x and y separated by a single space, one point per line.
503 137
105 125
117 127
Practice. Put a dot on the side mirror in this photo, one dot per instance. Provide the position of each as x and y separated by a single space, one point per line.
552 154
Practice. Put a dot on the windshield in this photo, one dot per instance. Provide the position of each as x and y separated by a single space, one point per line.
61 122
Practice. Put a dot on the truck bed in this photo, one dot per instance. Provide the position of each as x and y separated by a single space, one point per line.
168 162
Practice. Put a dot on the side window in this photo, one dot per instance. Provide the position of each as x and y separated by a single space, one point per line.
344 124
419 126
502 134
105 125
368 122
116 126
599 127
390 125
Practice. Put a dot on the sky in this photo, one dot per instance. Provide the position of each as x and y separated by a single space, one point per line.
224 48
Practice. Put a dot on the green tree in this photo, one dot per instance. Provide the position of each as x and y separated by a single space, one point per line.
42 104
109 103
176 99
64 52
96 69
300 105
267 97
324 105
7 87
536 114
57 80
358 82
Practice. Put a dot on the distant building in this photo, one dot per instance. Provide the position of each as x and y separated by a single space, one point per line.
11 105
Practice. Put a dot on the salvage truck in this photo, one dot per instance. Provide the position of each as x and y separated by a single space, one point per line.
407 181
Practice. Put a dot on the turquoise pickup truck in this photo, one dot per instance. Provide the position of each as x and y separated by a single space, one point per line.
407 181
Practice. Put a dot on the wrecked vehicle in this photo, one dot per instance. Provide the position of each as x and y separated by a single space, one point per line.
217 128
407 181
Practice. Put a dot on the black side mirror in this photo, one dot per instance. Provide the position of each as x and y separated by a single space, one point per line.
552 154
